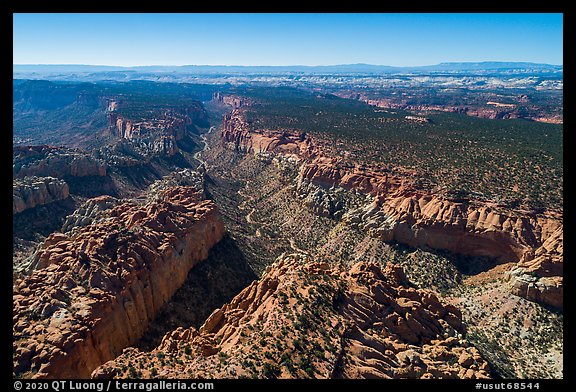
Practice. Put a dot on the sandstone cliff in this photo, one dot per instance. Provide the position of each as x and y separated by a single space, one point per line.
132 129
233 100
307 319
540 278
238 135
95 291
497 111
157 138
159 128
403 212
29 192
47 161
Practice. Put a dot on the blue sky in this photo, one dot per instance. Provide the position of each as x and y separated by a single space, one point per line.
285 39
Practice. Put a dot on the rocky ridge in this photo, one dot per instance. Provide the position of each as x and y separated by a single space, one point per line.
157 131
232 100
92 210
404 212
310 319
497 111
95 290
184 177
59 162
96 208
238 135
29 192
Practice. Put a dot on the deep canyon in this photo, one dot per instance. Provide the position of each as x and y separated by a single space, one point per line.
197 243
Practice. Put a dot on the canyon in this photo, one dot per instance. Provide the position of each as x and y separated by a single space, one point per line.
85 174
401 212
282 255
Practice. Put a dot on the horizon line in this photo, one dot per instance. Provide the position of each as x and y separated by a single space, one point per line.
280 65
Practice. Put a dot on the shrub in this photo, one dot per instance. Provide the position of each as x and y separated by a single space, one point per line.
271 370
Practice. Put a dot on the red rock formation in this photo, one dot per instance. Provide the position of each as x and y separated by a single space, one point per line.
238 136
159 121
162 127
159 129
465 227
233 100
468 228
95 292
415 217
126 129
329 171
307 319
540 278
500 111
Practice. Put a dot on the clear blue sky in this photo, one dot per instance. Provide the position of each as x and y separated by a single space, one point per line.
285 39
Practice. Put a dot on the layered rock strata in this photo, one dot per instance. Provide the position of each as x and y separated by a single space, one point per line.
93 292
159 130
59 162
307 319
497 111
29 192
403 212
230 99
540 278
238 135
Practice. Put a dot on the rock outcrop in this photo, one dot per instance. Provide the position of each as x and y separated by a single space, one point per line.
490 110
238 135
540 279
464 227
158 138
97 208
131 129
230 99
90 211
93 292
404 212
59 162
158 128
307 319
400 212
184 177
29 192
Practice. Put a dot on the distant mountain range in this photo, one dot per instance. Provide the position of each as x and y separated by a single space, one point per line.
486 66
